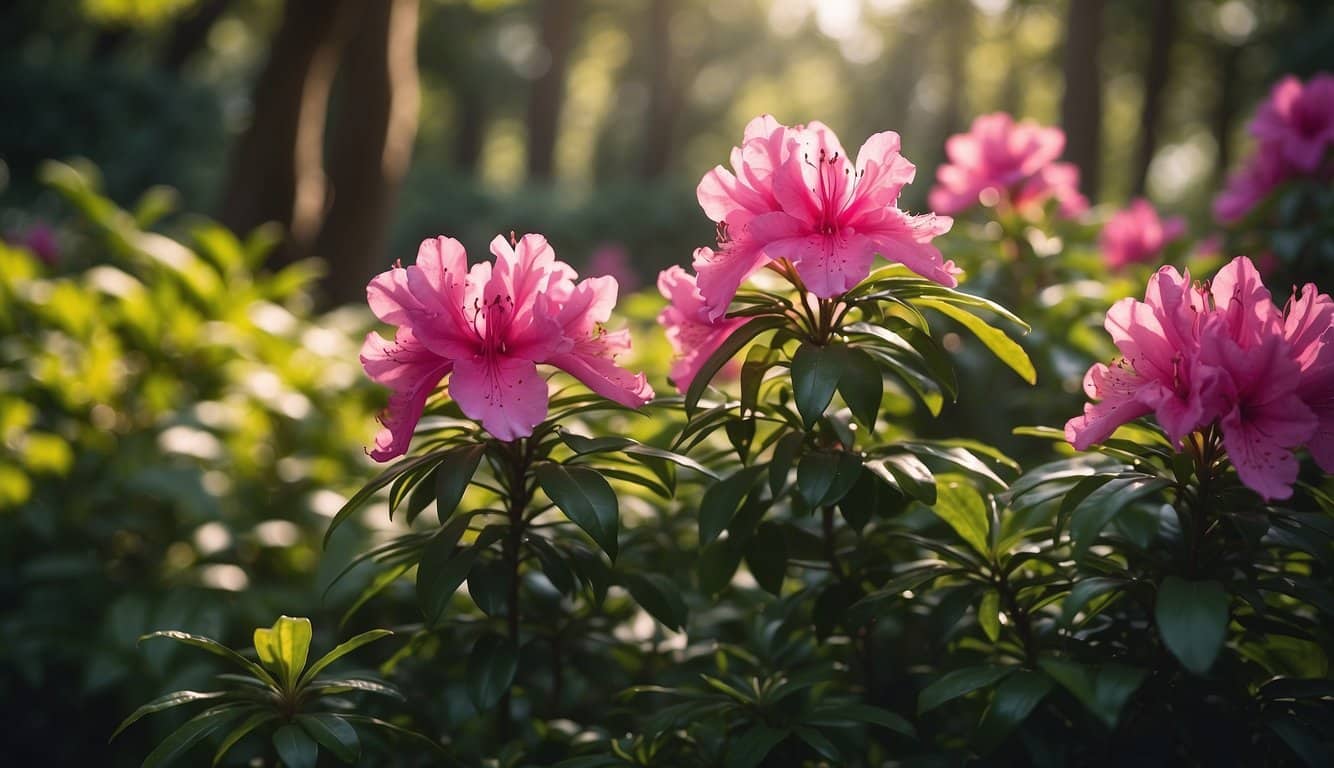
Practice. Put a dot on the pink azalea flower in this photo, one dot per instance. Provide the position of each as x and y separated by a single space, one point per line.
1224 356
795 196
1309 330
1249 185
488 327
1159 370
694 336
613 259
999 159
1137 235
1298 120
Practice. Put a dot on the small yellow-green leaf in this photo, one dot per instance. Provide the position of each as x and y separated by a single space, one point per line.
283 647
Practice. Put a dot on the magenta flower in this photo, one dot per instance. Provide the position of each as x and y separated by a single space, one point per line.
694 336
1138 235
1223 357
1298 120
999 160
488 328
1249 185
794 196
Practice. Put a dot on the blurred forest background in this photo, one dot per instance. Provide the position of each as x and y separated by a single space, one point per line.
365 125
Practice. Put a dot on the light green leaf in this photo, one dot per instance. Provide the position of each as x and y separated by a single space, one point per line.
283 648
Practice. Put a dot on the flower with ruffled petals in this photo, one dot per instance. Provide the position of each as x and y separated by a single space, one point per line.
488 327
1138 235
1308 327
694 336
1298 120
794 196
1001 160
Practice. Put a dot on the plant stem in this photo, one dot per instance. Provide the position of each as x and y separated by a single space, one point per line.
519 497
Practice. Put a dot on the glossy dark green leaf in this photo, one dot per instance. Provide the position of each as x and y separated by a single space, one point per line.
658 595
1192 619
295 748
367 491
586 498
957 683
173 699
491 668
1084 591
453 476
907 474
750 748
442 570
824 478
333 733
193 731
1014 700
861 385
785 454
741 433
819 742
815 375
717 564
215 648
488 585
759 360
235 735
722 499
839 714
766 556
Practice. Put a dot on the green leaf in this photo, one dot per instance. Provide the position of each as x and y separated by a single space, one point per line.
173 699
819 742
586 498
658 595
195 730
345 684
215 648
1003 347
1084 591
367 491
342 650
750 749
1104 692
442 570
1014 700
841 714
824 478
240 732
1192 618
283 648
491 668
861 385
717 564
907 474
759 360
785 453
722 499
453 476
738 339
954 684
1094 512
295 748
988 614
815 375
766 556
334 734
963 508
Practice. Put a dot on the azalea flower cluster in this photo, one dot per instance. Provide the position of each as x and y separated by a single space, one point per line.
1221 359
1138 235
1001 163
1295 130
487 328
796 202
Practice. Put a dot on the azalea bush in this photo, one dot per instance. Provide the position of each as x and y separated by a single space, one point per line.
1008 481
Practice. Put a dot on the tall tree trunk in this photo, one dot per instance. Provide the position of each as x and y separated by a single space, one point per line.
1157 73
190 33
1227 107
1081 105
378 102
664 97
277 168
548 90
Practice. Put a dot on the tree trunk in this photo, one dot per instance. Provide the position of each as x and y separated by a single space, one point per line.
277 169
378 103
1227 108
548 90
664 98
190 33
1163 30
1081 105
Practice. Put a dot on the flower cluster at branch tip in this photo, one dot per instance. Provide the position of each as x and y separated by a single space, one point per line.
1137 235
1294 129
795 197
1223 357
488 327
1000 162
